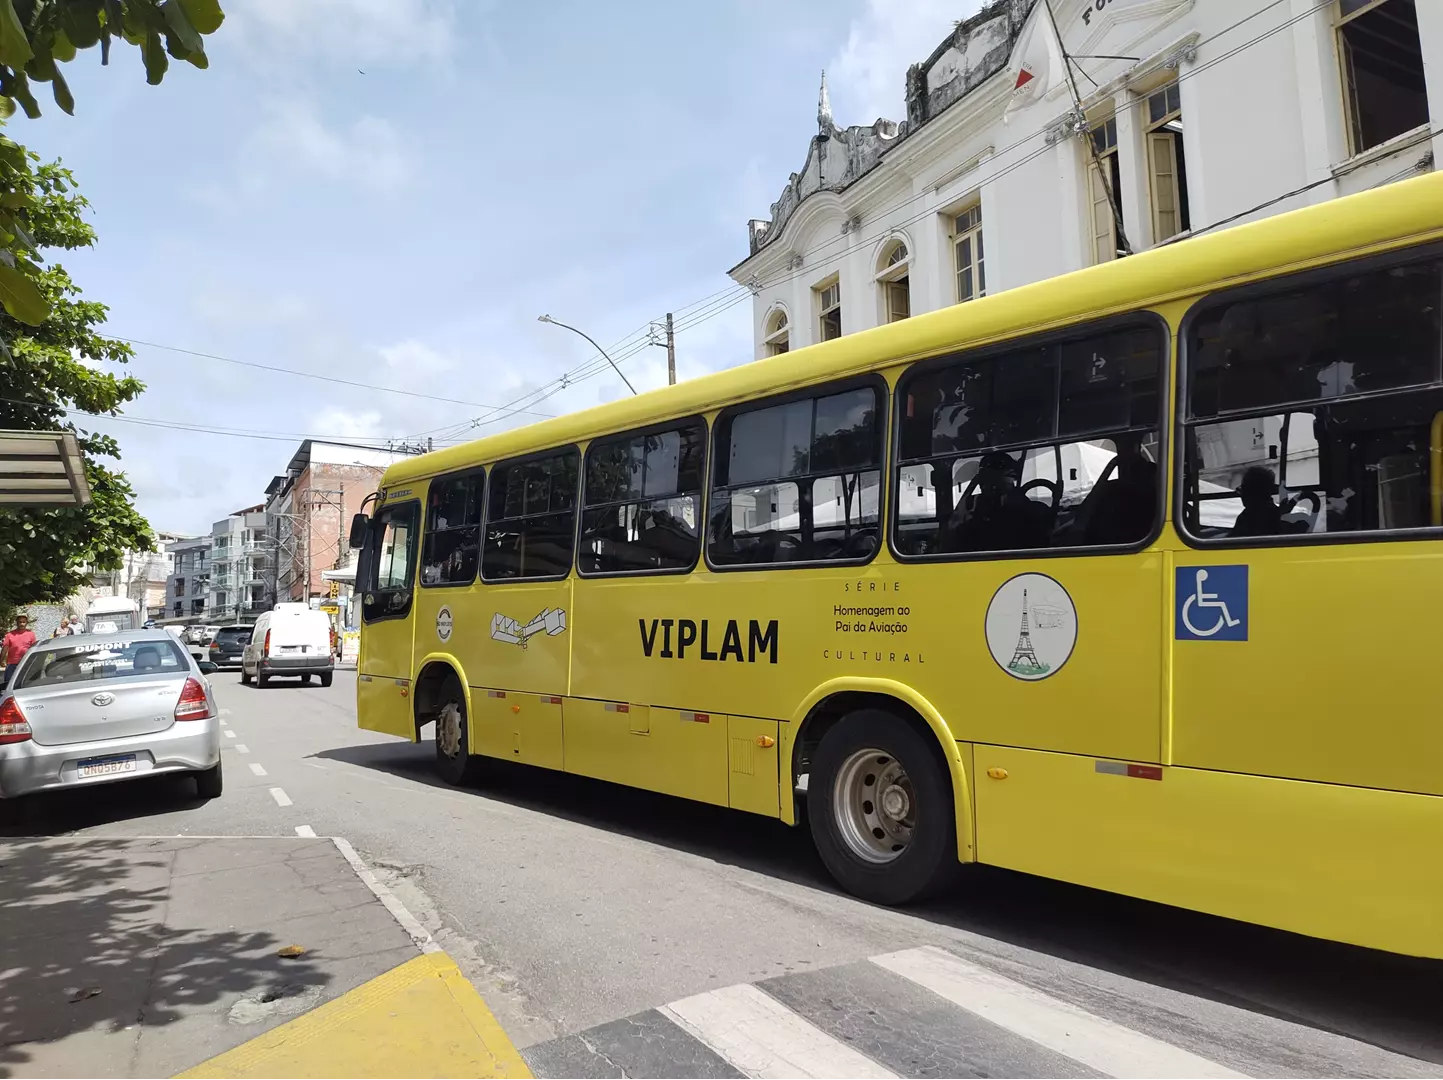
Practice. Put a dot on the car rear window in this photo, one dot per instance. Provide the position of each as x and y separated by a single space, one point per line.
233 635
91 660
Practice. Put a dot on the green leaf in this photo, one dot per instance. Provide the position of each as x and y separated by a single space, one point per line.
179 24
7 107
17 231
41 67
15 48
156 62
198 59
63 97
80 24
20 91
62 48
205 15
22 297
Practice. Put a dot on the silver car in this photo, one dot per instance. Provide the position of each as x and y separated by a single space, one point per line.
95 709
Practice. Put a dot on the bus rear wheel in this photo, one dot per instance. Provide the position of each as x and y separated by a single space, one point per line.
879 802
453 750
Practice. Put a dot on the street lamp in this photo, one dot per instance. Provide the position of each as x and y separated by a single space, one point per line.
588 337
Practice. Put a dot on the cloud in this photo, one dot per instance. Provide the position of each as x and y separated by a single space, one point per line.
868 78
412 357
369 153
340 423
358 32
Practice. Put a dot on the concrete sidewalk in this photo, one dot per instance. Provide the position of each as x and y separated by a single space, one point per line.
153 957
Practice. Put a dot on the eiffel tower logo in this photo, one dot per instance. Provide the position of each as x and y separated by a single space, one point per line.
1024 658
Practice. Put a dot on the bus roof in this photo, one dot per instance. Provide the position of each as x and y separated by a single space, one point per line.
1312 235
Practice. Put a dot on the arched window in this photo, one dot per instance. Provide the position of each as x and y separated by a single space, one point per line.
776 332
894 280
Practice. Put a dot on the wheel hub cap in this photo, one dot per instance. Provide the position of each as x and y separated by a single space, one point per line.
874 806
448 730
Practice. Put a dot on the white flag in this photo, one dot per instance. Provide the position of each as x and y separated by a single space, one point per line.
1037 63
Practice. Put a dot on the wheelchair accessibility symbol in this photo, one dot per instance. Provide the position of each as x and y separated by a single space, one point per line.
1211 603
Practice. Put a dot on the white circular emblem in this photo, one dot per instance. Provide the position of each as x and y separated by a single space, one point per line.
1031 626
443 624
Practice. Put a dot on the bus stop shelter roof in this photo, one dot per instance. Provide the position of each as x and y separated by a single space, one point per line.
42 468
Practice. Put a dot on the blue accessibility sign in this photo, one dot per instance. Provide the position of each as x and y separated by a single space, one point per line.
1211 603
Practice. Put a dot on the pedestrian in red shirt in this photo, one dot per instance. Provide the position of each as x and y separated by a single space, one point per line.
15 645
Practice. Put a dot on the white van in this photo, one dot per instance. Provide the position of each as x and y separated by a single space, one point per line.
290 639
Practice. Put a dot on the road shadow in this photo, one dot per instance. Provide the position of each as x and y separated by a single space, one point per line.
84 949
1380 998
51 813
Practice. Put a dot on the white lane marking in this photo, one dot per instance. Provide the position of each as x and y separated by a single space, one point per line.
409 922
306 831
281 798
1058 1025
259 770
242 748
762 1037
229 734
226 712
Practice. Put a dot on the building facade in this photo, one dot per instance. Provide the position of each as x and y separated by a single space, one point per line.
142 576
309 510
1040 140
187 590
239 559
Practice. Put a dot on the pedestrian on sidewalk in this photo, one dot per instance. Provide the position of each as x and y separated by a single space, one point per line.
64 629
16 644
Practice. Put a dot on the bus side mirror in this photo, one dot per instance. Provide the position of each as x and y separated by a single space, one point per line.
358 530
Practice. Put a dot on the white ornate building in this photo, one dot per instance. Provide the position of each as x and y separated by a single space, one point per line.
1041 140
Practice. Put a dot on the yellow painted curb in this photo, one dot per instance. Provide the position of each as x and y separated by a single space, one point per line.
423 1018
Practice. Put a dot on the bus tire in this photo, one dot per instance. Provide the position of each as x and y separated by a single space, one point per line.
879 803
454 761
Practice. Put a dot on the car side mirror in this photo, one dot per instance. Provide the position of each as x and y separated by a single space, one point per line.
359 524
207 668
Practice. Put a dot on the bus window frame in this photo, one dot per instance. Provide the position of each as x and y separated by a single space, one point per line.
1429 251
535 455
376 528
1145 318
872 380
632 433
456 474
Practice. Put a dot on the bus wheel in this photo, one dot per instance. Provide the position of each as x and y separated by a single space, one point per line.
880 806
453 752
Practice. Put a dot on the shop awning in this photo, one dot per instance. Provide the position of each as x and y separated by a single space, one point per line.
42 468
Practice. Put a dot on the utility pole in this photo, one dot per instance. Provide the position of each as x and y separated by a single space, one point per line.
670 352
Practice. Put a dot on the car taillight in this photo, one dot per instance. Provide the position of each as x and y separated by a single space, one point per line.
13 725
192 704
266 645
215 644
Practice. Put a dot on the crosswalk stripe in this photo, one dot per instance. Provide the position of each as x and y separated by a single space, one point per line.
764 1038
1047 1021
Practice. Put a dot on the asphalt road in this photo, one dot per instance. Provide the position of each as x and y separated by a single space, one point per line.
617 932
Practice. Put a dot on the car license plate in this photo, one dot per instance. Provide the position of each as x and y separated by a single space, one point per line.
104 766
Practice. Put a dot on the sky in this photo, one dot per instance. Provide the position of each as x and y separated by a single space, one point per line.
391 191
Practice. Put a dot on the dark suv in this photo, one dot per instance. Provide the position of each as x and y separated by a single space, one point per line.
228 644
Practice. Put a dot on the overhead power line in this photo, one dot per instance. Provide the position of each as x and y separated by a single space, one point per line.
310 375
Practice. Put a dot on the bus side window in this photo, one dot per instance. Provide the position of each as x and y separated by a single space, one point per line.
1314 409
643 502
798 481
1041 446
531 518
452 545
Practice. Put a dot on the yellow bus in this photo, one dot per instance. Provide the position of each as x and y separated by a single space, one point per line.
1129 578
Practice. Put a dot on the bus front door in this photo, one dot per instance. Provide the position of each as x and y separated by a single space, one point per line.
386 580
